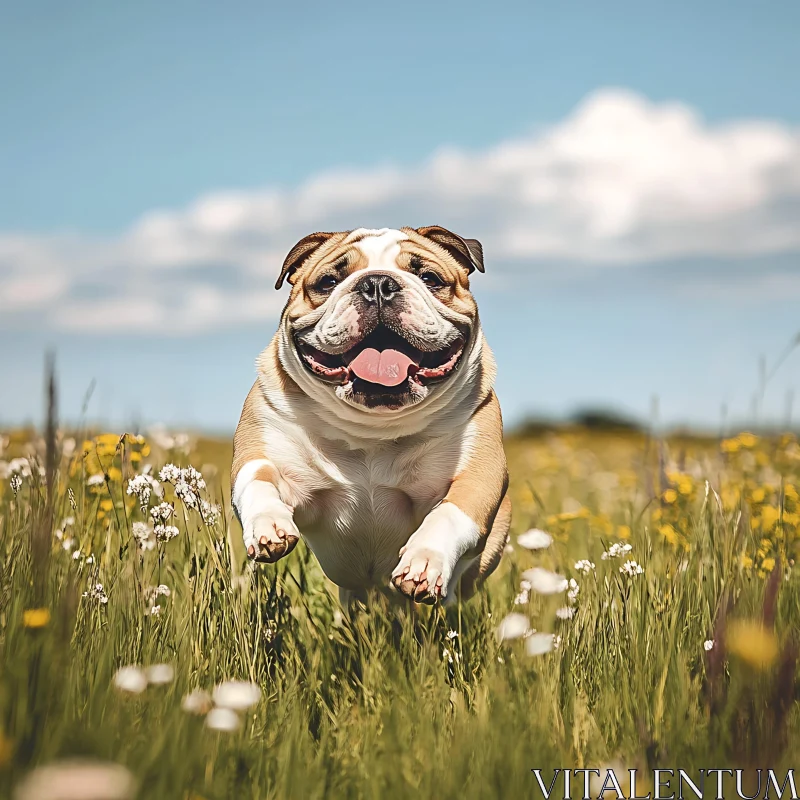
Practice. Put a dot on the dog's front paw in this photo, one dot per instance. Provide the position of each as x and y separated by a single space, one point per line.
269 537
422 574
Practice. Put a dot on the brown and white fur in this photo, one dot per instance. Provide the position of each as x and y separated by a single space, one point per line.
398 487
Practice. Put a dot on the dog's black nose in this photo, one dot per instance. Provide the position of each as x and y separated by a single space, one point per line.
378 288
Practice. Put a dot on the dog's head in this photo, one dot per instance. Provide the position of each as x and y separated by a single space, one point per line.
379 319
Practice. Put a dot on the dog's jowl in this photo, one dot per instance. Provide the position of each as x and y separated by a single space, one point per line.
373 430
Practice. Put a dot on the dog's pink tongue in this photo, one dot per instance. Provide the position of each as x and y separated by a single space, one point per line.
387 367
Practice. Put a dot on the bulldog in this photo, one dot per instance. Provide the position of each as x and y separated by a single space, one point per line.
372 428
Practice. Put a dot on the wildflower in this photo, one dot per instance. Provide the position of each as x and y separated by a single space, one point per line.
539 643
98 479
154 592
169 473
523 597
556 642
708 645
535 539
144 535
567 612
616 550
574 589
97 593
78 779
211 513
223 719
16 483
545 582
197 702
160 674
20 465
153 611
513 626
162 512
130 679
452 635
236 695
753 643
188 483
631 568
143 486
585 566
36 617
165 532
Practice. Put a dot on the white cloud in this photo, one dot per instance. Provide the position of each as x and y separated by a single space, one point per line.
621 181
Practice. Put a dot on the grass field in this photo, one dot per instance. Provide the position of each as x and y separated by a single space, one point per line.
688 661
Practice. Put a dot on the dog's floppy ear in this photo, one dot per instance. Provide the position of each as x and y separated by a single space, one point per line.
299 253
468 252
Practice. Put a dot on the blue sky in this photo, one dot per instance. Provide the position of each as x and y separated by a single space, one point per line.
159 158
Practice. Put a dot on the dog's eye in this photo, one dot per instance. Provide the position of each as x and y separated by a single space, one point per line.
431 280
327 283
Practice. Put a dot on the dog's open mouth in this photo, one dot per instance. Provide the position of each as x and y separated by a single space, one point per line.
383 363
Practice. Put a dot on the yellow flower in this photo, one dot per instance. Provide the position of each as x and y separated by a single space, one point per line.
730 497
769 516
685 486
569 516
768 564
753 643
759 495
36 617
669 533
115 474
624 532
670 496
107 504
747 440
790 492
730 445
747 562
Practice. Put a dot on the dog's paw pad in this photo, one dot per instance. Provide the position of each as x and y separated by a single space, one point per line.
268 540
420 575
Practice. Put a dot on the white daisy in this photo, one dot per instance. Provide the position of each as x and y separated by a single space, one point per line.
130 679
545 582
513 626
236 695
535 539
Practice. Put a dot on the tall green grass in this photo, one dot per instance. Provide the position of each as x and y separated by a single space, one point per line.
390 700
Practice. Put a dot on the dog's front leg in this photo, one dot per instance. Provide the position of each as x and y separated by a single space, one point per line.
455 532
267 522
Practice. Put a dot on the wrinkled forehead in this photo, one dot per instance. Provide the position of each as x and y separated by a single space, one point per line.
385 248
377 248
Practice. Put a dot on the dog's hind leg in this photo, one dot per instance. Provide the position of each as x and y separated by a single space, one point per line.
486 563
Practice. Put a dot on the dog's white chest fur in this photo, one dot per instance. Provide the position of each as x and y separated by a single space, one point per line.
357 508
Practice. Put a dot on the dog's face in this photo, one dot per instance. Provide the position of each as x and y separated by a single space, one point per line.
379 319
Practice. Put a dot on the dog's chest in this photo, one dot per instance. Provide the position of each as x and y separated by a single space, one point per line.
357 508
